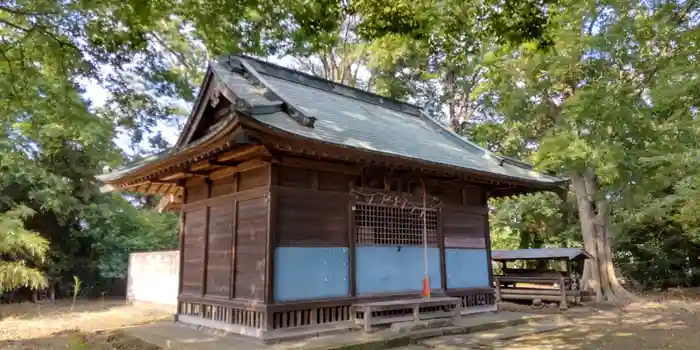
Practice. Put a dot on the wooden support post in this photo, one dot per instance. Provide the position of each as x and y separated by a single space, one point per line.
416 313
458 312
205 244
498 289
441 246
562 288
351 245
368 319
182 236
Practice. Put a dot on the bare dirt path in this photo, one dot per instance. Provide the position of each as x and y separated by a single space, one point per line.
655 323
56 326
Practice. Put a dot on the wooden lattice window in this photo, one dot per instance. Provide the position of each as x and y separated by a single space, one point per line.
389 225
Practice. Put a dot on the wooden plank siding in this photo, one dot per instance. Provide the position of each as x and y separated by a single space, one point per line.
308 219
220 253
251 245
193 249
463 228
225 236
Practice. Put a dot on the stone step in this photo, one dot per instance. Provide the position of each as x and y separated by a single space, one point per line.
490 337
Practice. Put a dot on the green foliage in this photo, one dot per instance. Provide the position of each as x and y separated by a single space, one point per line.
76 290
568 86
20 249
53 142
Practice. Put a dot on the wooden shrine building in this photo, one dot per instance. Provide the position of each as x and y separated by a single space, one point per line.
300 197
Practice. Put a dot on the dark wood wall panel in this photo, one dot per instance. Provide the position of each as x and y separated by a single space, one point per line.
223 186
328 181
255 178
251 242
293 177
311 219
474 195
463 229
220 246
196 191
450 193
193 251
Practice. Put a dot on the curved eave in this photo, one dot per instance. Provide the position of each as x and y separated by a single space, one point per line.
211 142
556 185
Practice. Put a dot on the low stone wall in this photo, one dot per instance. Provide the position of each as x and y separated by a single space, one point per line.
153 277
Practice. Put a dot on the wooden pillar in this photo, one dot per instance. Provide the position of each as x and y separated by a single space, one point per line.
271 241
205 244
234 240
488 247
562 289
441 247
181 269
351 243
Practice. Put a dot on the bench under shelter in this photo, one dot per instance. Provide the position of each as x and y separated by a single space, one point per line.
547 274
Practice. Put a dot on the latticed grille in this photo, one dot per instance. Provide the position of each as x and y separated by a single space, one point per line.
387 225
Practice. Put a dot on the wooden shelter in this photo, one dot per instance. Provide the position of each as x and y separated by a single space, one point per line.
300 198
547 283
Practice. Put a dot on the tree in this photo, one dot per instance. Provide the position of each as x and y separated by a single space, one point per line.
605 96
20 250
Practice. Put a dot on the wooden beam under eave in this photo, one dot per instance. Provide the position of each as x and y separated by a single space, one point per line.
242 154
154 188
197 172
200 165
247 165
173 177
317 165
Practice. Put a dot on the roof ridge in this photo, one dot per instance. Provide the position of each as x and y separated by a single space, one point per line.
313 81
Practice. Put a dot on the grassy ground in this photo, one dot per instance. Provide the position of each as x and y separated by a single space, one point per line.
90 325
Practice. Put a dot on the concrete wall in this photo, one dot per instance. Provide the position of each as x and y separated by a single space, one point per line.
153 277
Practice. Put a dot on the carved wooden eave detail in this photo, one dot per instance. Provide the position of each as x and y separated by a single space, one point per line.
258 80
281 141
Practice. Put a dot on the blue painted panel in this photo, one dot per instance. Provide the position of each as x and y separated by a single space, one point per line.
381 269
311 273
466 268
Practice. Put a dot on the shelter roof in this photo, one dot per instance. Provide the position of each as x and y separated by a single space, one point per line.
539 253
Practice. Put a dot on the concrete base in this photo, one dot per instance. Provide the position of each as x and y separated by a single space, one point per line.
170 335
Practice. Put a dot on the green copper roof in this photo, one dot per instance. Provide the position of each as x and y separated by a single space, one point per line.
317 109
353 118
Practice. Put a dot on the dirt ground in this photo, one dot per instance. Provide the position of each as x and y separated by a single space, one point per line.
659 321
669 320
90 325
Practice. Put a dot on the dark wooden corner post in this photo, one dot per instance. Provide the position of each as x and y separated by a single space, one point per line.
271 245
181 247
441 247
234 239
351 241
488 238
205 244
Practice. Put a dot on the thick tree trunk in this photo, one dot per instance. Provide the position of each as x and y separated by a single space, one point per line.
591 275
593 209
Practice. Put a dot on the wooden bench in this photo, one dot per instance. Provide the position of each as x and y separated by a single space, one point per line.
561 294
385 312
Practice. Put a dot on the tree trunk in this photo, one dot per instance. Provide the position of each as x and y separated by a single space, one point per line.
593 209
585 212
